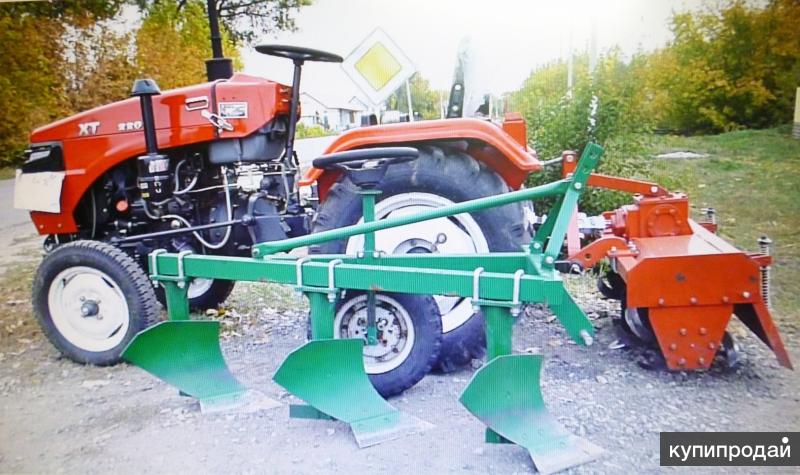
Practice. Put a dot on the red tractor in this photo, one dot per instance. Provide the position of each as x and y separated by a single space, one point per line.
212 169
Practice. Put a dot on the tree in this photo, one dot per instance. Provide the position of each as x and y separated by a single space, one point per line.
730 67
604 106
247 19
64 56
424 100
173 43
32 67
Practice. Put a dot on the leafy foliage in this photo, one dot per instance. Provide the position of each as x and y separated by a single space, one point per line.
731 67
728 68
424 100
32 94
603 107
245 19
310 131
172 44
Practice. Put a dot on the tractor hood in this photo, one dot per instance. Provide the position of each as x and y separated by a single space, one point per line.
247 102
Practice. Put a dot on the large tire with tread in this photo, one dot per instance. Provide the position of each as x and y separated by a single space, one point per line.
91 299
455 177
392 368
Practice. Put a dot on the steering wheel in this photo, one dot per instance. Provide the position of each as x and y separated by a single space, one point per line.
298 53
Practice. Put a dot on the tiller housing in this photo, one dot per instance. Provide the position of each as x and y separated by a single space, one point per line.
680 281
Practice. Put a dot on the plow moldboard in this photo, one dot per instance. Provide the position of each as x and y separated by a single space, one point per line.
506 396
329 375
187 355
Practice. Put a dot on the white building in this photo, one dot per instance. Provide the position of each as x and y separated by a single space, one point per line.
335 117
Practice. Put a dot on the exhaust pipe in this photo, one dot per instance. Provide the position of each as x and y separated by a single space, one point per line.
218 66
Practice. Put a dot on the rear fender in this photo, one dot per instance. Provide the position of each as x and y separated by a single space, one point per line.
487 143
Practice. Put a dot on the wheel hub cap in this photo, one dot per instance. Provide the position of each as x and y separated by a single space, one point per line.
88 308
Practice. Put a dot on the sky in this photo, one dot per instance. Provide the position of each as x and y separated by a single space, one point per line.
511 37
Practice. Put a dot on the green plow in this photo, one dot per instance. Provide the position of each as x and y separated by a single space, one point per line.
187 355
329 375
505 395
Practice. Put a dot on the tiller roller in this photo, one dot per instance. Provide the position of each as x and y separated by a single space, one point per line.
328 374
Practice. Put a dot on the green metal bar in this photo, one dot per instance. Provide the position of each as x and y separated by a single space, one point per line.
560 225
554 229
499 330
543 233
411 280
368 209
494 262
372 331
177 300
499 335
323 310
577 324
587 163
550 189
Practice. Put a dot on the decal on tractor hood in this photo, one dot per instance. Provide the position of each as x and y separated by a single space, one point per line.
88 128
233 110
129 126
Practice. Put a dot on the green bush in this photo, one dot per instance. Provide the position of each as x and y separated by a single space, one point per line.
559 119
306 132
731 67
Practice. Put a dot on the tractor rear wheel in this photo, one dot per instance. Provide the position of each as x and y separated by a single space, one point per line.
91 299
439 177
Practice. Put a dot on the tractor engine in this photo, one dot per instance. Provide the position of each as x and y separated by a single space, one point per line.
220 200
215 197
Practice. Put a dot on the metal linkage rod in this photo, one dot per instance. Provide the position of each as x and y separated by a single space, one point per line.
543 191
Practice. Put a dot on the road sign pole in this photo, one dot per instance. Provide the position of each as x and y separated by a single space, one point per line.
408 98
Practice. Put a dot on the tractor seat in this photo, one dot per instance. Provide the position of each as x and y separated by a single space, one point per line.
366 167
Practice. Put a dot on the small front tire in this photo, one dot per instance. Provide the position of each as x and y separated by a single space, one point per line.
91 299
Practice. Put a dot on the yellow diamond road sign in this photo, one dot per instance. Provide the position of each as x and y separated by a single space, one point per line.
378 66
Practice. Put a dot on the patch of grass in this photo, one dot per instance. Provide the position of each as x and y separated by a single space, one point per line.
7 173
751 178
17 325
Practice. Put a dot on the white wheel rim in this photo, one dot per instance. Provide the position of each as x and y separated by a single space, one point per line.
395 331
199 286
463 236
78 290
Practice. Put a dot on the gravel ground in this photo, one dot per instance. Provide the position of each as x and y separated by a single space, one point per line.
60 417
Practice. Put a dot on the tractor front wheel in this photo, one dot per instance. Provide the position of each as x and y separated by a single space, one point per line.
91 299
